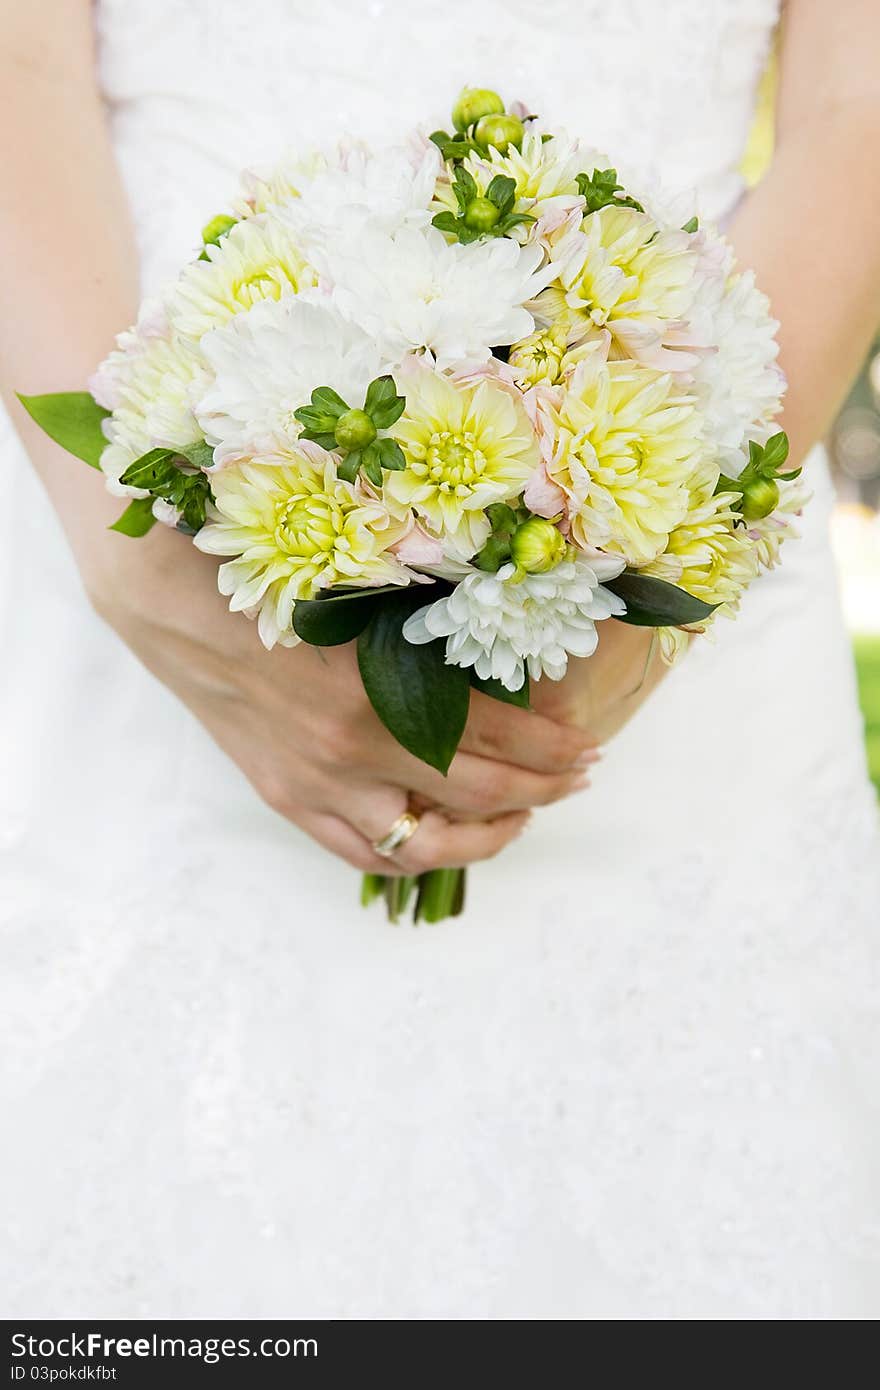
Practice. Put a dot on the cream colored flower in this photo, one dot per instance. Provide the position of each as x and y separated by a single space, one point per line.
295 527
258 259
710 554
620 271
467 444
148 382
625 445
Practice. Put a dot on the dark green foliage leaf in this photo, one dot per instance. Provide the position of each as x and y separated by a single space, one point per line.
334 618
316 422
692 225
775 452
653 602
464 186
348 468
502 192
383 405
325 398
137 519
73 419
602 189
446 222
498 691
200 454
390 454
420 700
370 465
151 471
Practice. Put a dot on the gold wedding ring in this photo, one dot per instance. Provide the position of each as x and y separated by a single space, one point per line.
402 830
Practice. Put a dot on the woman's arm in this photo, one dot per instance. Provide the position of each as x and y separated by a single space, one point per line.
296 721
811 229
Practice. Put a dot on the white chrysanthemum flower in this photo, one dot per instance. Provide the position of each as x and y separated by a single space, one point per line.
148 382
389 189
466 444
259 258
623 272
504 626
413 292
266 364
738 383
295 527
625 443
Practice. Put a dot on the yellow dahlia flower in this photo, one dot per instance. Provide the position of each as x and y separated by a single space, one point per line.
295 527
624 447
258 259
621 272
708 554
466 444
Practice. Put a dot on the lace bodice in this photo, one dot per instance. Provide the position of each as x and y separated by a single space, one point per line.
202 89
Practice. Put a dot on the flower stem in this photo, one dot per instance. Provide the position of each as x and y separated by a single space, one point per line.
440 894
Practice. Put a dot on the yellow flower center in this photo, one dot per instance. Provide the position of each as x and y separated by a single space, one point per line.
453 462
306 527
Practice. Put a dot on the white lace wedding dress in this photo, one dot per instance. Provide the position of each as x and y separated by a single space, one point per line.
638 1080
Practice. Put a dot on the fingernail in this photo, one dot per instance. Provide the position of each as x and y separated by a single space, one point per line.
580 783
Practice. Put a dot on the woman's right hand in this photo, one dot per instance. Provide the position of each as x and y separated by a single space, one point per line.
299 725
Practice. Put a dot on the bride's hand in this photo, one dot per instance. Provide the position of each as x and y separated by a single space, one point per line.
602 693
299 725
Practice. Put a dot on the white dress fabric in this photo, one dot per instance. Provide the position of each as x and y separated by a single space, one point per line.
638 1079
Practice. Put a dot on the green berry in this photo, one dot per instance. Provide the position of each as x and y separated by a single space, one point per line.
355 430
500 131
481 215
760 498
474 102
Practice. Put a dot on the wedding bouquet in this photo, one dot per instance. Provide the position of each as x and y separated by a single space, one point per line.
461 402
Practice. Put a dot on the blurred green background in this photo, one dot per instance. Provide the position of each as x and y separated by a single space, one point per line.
854 449
868 664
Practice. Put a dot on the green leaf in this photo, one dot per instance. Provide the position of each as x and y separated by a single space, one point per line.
775 451
380 391
420 700
464 186
73 419
497 691
383 405
692 225
328 400
602 189
390 454
348 468
513 219
370 465
335 618
315 420
137 519
502 192
446 222
200 454
653 602
440 138
151 471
